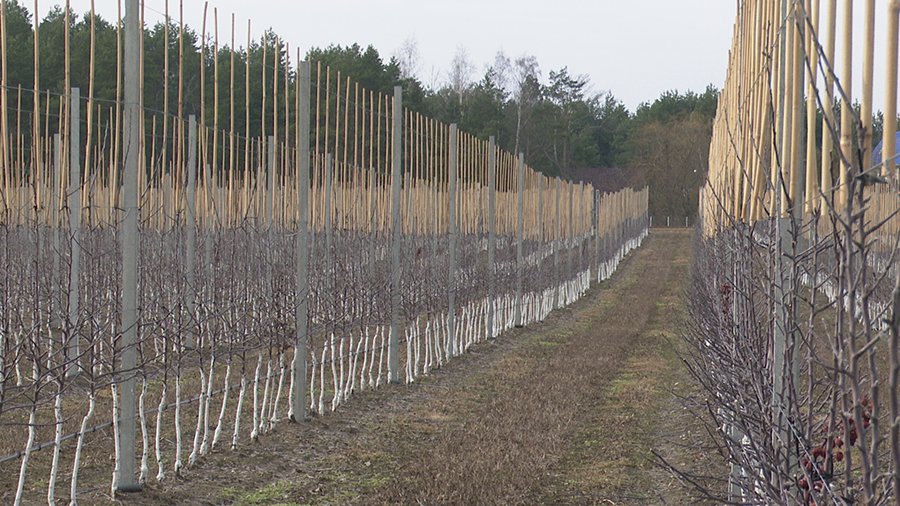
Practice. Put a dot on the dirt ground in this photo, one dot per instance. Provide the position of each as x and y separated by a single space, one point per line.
562 412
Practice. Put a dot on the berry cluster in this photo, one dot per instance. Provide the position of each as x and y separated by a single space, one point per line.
726 297
815 461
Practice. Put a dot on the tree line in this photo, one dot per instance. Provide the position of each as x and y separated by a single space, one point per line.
562 125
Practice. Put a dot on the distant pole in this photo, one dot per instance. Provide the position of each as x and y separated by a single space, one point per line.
570 240
492 234
451 280
125 481
270 218
581 227
302 315
396 182
191 230
520 261
595 223
556 248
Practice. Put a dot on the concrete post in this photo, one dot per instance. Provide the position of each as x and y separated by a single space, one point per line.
302 259
74 203
520 232
191 289
571 233
580 227
492 232
125 479
270 218
451 273
556 247
595 228
396 182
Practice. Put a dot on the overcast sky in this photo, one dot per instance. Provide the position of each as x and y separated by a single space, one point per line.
635 49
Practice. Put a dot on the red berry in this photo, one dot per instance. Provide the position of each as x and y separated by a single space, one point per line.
838 442
803 484
839 456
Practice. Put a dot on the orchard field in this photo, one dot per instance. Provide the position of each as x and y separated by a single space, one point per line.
567 411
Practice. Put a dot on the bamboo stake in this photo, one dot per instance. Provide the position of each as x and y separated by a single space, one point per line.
4 102
90 101
265 44
232 132
827 181
796 102
867 85
276 57
215 150
847 159
890 106
245 199
812 192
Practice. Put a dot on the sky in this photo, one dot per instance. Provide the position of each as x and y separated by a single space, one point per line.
634 49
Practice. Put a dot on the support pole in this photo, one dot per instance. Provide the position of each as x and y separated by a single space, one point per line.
396 181
302 290
74 203
556 248
124 481
270 219
520 232
191 230
451 274
581 227
570 239
492 232
595 228
781 381
597 236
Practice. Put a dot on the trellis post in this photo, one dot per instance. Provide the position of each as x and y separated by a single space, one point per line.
451 280
396 182
191 229
302 258
556 247
520 232
492 232
125 481
74 203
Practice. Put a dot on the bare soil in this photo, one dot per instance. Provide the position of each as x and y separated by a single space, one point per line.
562 412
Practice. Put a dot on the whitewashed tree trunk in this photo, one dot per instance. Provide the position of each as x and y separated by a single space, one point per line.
237 413
255 432
76 464
116 438
20 488
204 446
145 435
178 436
218 432
195 450
273 415
54 466
322 382
263 419
160 472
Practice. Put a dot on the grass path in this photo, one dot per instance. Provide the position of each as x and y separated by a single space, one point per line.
561 412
